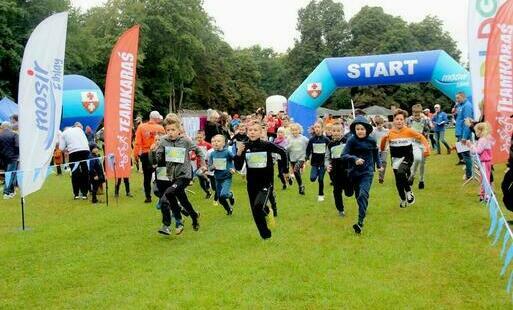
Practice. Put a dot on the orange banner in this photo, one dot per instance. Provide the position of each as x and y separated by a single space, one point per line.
119 103
498 107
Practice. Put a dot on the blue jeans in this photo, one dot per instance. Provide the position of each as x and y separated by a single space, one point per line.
440 138
362 185
468 160
224 191
10 181
317 173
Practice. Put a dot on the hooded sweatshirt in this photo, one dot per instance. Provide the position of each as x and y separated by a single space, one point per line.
174 155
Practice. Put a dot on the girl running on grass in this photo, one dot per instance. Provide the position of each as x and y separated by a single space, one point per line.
401 138
296 149
315 152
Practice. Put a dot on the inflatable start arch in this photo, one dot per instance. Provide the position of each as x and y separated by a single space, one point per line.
436 67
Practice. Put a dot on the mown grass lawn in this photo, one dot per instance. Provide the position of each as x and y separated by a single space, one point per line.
432 255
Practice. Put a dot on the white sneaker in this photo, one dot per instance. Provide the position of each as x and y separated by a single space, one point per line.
410 198
403 204
320 198
84 197
8 196
164 230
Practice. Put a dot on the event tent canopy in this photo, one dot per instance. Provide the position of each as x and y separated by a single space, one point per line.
378 110
7 108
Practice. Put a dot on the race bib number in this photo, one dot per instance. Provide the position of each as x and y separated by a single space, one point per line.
336 151
162 174
220 163
319 148
256 160
396 162
175 154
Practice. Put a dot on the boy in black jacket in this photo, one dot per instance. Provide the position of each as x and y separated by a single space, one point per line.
96 175
337 168
257 154
361 154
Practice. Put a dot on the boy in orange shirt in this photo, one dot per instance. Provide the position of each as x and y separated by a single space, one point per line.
401 138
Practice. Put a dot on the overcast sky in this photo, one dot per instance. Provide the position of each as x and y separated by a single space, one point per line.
272 23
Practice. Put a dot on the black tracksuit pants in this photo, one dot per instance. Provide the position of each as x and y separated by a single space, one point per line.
80 175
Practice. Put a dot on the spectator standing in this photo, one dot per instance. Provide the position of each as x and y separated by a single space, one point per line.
9 154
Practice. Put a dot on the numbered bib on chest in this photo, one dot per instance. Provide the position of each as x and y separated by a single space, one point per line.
220 163
162 174
396 162
256 160
336 151
319 148
175 154
417 126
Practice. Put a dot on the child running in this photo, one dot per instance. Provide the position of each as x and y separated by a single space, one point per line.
221 161
281 140
296 149
422 125
401 138
173 152
337 167
361 153
204 181
316 152
257 154
378 133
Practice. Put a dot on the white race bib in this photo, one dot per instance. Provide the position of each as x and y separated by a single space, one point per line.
319 148
162 174
175 154
220 163
336 151
396 162
256 160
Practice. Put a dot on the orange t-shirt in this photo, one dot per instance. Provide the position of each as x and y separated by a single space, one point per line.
145 136
58 156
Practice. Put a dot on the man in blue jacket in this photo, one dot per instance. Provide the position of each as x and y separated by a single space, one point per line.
440 120
9 153
464 110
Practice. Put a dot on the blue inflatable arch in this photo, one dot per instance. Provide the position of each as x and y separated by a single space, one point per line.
436 67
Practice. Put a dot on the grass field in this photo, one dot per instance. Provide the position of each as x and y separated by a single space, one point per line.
76 255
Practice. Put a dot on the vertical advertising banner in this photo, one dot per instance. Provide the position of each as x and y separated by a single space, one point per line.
480 19
499 82
40 100
119 104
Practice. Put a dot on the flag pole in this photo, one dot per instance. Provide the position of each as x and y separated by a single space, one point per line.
22 213
352 107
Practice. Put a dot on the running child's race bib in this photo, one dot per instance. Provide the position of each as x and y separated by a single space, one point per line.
319 148
256 160
220 163
336 151
396 162
175 154
162 174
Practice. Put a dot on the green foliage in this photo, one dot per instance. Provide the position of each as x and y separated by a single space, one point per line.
184 62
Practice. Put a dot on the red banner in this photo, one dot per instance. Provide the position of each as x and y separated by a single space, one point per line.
119 103
499 82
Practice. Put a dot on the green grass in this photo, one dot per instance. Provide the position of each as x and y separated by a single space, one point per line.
432 255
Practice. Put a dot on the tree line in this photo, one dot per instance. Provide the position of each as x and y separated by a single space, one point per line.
184 63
